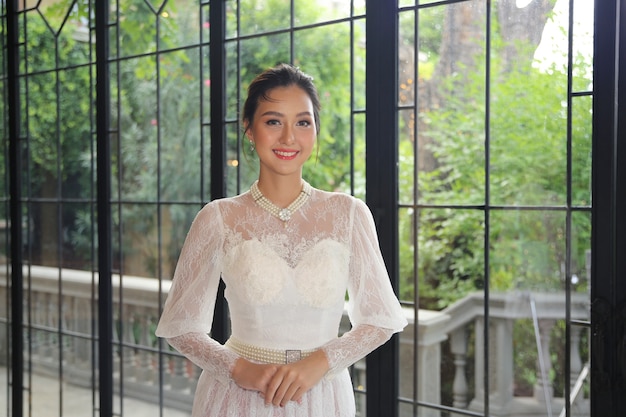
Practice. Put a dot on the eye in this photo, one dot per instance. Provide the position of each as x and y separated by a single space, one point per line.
304 123
272 122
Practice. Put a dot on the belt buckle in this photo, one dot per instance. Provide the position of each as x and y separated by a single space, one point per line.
293 356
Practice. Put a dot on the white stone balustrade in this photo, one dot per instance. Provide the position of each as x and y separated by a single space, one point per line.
62 317
505 309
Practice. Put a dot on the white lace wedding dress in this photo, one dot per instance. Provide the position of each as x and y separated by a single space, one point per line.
285 287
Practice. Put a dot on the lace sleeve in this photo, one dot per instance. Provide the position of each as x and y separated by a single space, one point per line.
374 310
371 299
353 346
191 299
206 353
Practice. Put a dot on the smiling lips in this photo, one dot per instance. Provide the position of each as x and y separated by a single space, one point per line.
285 155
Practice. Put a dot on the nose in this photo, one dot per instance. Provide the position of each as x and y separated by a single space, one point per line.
287 137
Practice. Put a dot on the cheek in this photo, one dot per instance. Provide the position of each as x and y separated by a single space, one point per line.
263 134
308 138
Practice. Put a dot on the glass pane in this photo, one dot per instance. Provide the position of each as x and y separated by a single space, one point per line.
309 12
235 92
179 24
583 45
232 21
79 236
140 248
581 252
46 234
450 255
178 128
74 131
39 54
406 39
205 94
139 130
205 178
553 49
581 150
205 23
358 169
43 137
136 22
358 63
528 118
407 248
406 156
528 152
359 7
451 125
528 250
259 16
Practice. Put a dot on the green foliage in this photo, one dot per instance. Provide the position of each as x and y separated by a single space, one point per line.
56 119
163 124
57 104
527 166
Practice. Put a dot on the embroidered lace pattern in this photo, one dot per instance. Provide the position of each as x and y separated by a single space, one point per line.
286 289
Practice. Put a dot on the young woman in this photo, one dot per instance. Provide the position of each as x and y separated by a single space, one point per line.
287 253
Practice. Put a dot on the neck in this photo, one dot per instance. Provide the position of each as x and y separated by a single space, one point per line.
280 190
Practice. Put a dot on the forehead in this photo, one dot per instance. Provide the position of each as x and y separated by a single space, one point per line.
291 97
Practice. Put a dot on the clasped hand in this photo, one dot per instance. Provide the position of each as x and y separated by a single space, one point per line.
279 384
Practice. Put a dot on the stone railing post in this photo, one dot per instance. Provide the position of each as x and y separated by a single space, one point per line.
502 349
541 390
479 360
127 323
500 363
145 371
458 347
431 334
576 365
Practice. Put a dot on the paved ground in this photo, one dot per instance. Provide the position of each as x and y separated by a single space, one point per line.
76 401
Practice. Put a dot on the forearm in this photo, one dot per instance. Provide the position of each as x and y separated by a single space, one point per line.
206 353
354 345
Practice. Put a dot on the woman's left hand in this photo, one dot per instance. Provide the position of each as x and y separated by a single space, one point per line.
292 380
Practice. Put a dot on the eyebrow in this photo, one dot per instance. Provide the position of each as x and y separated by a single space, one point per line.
275 113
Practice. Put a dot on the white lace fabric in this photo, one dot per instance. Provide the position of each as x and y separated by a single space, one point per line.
285 288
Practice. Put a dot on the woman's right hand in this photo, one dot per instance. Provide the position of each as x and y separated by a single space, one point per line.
253 376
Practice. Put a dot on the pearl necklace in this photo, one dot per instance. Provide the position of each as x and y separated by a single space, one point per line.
283 214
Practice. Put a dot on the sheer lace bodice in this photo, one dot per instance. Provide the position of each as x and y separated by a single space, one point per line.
285 285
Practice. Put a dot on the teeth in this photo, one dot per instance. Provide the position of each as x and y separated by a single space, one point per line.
285 153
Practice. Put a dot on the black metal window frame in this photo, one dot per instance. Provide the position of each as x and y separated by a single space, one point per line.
608 291
381 171
488 208
106 199
609 190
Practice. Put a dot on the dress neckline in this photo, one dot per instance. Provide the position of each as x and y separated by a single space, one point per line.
283 214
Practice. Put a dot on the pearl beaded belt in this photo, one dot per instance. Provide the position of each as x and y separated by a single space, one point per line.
264 355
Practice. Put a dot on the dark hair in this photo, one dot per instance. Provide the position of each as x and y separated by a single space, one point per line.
282 75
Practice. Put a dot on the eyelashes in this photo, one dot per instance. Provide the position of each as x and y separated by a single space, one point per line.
302 123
